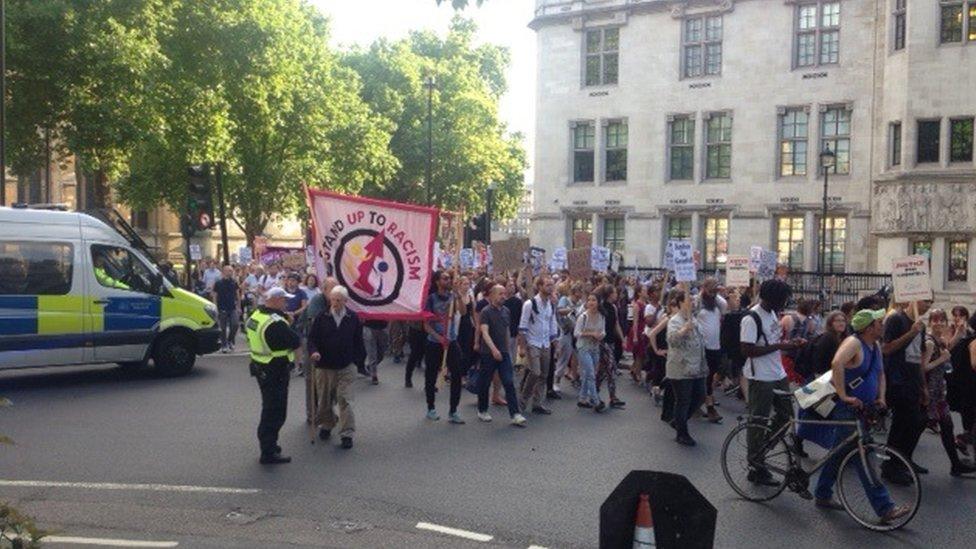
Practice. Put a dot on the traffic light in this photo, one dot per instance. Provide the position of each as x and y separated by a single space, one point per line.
476 230
199 201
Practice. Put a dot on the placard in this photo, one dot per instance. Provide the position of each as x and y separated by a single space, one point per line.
244 254
537 258
293 262
467 259
558 260
755 258
684 261
579 261
669 256
507 255
582 239
911 278
195 253
737 271
767 265
600 258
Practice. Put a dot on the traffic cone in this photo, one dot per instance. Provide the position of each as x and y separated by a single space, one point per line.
643 524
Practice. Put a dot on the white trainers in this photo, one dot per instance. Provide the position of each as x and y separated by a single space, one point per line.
484 416
519 420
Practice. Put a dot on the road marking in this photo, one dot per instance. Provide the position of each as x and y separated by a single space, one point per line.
107 542
475 536
537 547
116 486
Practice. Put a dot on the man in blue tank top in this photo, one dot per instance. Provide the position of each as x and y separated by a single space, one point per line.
858 376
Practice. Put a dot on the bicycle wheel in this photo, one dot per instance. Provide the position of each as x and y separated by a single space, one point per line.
741 472
855 482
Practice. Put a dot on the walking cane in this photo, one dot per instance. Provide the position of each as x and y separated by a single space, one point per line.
446 346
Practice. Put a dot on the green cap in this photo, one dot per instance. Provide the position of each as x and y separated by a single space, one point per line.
863 318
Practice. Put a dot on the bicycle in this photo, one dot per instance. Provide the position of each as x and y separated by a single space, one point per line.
861 465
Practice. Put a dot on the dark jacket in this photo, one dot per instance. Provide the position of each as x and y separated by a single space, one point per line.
340 345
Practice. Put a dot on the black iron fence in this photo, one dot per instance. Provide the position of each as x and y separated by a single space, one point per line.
838 287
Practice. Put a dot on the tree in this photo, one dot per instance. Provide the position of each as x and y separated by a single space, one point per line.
471 147
460 4
251 83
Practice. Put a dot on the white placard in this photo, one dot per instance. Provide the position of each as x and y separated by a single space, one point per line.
911 279
558 260
244 254
737 271
755 258
767 265
195 253
600 258
467 259
684 261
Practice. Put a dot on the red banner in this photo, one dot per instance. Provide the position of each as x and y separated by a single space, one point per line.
381 251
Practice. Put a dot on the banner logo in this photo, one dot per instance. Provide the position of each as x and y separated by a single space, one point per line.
370 266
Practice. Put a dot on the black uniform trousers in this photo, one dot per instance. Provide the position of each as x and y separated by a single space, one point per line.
418 343
273 382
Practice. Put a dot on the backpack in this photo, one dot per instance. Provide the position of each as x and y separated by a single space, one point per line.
803 358
729 334
801 329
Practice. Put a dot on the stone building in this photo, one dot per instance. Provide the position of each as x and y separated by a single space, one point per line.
705 120
518 226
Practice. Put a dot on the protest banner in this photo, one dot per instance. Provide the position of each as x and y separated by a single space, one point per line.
294 261
582 239
767 265
558 260
381 251
195 253
244 255
466 259
508 255
600 258
911 279
737 271
579 261
684 261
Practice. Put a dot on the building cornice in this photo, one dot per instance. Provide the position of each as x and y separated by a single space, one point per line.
577 11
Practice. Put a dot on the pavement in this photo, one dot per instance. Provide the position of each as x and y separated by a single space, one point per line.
105 455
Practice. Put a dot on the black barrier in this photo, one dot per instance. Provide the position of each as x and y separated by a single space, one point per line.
683 518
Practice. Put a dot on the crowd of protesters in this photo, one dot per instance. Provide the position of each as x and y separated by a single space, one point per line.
519 341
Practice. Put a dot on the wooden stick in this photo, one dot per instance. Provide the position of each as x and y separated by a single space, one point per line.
447 334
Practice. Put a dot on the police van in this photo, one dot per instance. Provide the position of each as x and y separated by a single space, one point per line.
74 290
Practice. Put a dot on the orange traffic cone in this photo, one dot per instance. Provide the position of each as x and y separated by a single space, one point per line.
643 524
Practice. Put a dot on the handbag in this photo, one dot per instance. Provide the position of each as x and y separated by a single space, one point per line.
473 379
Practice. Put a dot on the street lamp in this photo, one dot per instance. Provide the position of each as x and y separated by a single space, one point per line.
827 162
489 206
430 84
3 103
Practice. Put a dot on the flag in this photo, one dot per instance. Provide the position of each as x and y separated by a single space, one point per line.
381 251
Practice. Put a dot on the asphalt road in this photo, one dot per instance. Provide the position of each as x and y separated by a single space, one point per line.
541 486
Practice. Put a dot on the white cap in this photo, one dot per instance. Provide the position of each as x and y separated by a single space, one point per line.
278 291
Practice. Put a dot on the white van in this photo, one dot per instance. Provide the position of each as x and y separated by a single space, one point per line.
74 291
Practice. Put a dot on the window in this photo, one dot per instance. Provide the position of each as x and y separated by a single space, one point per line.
616 151
793 142
681 137
613 234
836 244
718 144
140 219
582 226
928 141
835 130
961 140
958 21
817 34
679 228
716 242
895 153
702 46
584 138
958 261
35 268
602 47
120 269
923 248
898 16
789 241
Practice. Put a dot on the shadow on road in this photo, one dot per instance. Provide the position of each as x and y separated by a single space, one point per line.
80 376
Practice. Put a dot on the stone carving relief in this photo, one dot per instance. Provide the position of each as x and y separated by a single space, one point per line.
924 207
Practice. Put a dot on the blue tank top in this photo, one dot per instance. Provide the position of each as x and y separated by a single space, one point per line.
869 373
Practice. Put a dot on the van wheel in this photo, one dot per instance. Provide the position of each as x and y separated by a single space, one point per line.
174 354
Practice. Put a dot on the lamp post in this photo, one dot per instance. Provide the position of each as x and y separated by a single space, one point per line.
827 162
3 102
489 206
430 84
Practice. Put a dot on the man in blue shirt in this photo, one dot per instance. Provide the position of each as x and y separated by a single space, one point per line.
226 294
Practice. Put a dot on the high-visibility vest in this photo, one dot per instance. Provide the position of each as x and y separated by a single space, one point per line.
255 328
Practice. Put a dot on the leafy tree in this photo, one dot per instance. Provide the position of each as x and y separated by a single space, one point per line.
471 148
460 4
251 83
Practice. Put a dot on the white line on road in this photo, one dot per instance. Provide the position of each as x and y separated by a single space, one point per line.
475 536
107 542
537 547
116 486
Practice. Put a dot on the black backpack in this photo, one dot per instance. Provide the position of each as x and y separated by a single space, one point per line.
729 333
804 357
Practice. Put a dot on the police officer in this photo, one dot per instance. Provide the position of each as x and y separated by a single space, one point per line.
272 343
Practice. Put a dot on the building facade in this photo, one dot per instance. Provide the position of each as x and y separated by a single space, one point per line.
518 226
705 120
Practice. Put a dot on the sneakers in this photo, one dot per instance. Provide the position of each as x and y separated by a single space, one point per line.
554 395
455 418
324 434
582 404
275 459
962 469
432 415
919 469
713 415
685 440
617 403
346 443
376 380
519 420
484 416
829 504
542 410
600 407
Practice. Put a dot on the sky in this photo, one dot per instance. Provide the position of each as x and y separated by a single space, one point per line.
500 22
